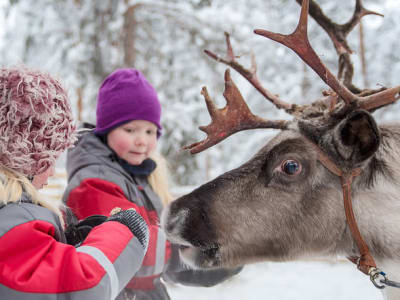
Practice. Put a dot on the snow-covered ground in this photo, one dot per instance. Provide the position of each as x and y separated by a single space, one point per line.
288 281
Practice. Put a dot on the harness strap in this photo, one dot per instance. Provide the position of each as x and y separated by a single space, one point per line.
365 262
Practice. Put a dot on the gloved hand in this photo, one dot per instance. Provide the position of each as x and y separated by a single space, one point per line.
77 233
134 221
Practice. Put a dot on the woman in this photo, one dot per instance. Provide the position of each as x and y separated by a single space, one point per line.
36 126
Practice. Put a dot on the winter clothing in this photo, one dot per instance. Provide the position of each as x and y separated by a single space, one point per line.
36 263
126 95
36 122
135 223
98 181
76 233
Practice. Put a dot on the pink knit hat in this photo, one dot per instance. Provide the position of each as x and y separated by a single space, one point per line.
36 123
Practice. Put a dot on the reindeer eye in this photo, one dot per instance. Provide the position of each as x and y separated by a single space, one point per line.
291 167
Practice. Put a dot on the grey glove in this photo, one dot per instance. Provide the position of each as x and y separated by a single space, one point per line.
135 222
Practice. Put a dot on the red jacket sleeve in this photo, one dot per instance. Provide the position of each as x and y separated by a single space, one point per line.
98 196
33 261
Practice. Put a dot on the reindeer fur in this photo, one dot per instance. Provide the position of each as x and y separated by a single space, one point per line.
257 213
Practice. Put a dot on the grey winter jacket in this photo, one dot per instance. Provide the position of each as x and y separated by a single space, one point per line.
92 163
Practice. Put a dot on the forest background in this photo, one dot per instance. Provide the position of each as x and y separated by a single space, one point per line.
82 41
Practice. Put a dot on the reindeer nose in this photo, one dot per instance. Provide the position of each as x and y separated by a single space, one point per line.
176 221
186 221
173 221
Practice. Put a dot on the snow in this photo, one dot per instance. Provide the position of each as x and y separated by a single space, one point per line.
82 42
59 36
287 281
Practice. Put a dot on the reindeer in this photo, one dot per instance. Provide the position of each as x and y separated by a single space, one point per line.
328 184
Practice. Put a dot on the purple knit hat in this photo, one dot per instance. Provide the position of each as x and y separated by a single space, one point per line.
36 122
126 95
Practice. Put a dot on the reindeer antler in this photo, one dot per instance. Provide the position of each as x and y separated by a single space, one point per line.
235 116
250 75
338 34
299 43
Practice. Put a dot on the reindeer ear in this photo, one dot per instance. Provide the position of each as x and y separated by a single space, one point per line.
357 137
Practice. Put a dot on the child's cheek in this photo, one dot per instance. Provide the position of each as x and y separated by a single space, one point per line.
121 146
125 145
153 145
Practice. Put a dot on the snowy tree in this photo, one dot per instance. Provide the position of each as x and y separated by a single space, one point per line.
84 40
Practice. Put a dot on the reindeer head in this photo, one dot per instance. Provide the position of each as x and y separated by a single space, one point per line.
286 201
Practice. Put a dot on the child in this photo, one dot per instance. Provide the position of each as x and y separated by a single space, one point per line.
36 126
116 165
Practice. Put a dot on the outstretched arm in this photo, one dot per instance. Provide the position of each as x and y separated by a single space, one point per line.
35 262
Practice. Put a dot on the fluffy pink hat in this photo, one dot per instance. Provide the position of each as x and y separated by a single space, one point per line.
36 123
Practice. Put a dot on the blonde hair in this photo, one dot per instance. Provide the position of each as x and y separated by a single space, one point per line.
14 184
158 179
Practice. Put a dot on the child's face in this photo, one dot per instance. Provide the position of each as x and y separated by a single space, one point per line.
133 141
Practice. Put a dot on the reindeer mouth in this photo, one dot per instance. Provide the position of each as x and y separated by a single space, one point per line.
201 257
197 249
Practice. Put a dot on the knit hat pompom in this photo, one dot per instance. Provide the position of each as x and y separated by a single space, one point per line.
126 95
36 123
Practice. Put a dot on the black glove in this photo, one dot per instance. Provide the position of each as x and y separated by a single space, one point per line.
77 233
135 223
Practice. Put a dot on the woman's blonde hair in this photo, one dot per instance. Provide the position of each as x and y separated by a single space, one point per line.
14 184
158 179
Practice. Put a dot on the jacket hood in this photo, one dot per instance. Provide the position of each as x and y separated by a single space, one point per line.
90 150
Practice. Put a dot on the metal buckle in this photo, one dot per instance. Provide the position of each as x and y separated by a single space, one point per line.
374 275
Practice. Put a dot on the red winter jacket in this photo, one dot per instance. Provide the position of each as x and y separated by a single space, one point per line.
100 197
97 183
35 262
